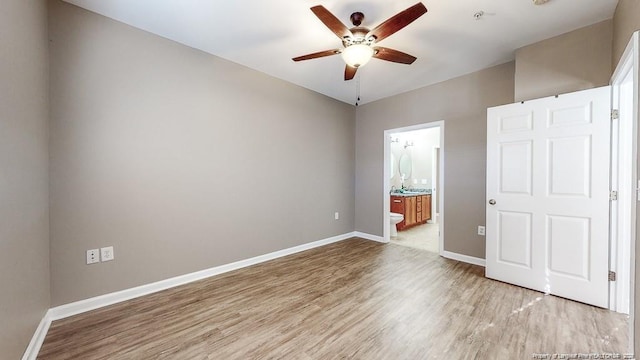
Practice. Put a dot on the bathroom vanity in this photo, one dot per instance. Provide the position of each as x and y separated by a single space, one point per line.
416 208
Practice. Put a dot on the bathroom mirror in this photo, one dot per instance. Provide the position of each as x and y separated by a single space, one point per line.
405 165
392 166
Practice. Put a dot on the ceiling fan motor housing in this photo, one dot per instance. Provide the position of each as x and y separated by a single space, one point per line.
358 36
357 18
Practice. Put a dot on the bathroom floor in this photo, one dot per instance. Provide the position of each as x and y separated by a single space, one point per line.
423 237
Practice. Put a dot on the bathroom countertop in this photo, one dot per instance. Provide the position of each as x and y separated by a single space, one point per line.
411 193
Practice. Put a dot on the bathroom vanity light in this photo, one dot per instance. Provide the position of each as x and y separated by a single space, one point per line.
408 143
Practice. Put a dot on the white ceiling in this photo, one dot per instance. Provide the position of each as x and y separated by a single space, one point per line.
265 34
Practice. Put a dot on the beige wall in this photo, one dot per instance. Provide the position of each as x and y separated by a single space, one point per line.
462 104
24 219
626 20
181 160
570 62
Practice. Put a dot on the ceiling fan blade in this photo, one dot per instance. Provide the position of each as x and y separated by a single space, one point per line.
318 54
392 55
398 21
331 21
349 72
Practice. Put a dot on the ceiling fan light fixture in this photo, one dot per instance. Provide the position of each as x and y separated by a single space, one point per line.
357 55
539 2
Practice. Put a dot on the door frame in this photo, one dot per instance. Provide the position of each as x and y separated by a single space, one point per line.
621 245
622 291
386 201
435 183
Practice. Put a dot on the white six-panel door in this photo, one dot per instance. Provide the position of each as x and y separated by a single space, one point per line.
548 181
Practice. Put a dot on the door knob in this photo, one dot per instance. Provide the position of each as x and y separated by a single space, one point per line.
492 202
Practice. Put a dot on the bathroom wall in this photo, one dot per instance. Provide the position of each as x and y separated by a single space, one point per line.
181 160
421 153
24 194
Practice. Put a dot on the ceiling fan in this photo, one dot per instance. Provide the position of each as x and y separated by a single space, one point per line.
359 42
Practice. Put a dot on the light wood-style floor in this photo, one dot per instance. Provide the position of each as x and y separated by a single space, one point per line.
355 299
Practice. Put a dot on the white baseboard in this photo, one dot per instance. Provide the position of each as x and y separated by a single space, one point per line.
369 236
464 258
78 307
93 303
38 338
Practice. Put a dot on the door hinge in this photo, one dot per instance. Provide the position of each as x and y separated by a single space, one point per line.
612 275
613 195
615 114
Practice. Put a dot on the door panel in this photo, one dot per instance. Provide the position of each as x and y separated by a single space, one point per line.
570 166
516 123
548 172
568 246
569 115
514 238
516 164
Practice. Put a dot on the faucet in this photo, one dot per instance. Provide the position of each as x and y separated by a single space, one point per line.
393 187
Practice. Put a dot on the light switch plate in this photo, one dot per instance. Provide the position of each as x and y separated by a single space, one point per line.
106 253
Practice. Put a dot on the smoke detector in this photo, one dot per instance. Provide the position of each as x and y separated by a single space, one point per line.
539 2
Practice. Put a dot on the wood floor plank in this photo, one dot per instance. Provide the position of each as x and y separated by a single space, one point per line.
355 299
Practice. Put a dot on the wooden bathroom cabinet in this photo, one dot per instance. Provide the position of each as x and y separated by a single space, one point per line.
415 208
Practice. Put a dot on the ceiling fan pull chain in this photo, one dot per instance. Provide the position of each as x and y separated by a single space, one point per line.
358 90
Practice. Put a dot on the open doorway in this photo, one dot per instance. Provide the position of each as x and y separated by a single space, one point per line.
413 174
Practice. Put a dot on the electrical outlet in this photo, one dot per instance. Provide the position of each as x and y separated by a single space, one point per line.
106 253
93 256
336 215
481 230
